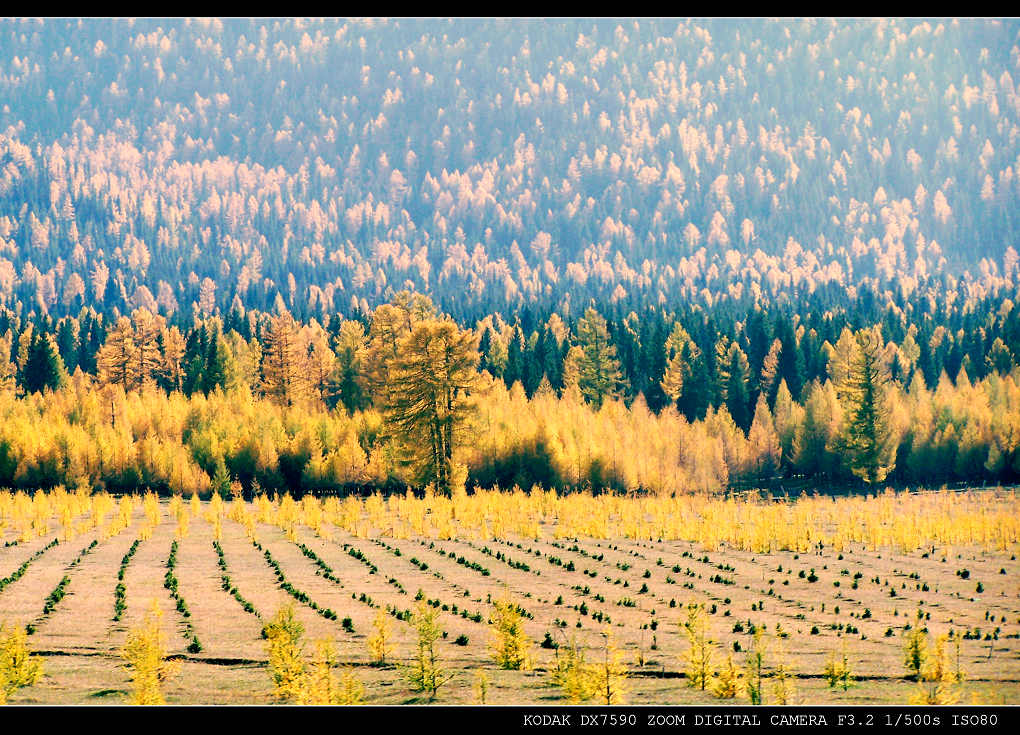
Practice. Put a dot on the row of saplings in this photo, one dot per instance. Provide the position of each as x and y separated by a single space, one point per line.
581 676
937 672
314 682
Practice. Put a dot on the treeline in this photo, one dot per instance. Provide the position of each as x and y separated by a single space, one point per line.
691 355
666 402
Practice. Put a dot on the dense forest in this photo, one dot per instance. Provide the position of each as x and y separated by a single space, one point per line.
182 165
406 397
657 255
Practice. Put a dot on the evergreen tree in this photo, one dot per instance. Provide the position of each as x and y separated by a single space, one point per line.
221 479
698 389
682 355
653 359
597 368
531 368
624 336
514 370
791 359
67 343
484 344
346 386
759 340
734 378
196 349
220 368
865 440
88 348
551 357
44 370
814 357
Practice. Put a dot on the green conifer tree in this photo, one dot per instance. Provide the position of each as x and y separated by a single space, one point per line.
866 440
44 370
598 375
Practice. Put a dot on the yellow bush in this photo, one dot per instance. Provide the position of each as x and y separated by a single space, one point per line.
145 658
286 651
18 668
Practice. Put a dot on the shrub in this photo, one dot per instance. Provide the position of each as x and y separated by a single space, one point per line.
18 668
145 658
510 644
286 664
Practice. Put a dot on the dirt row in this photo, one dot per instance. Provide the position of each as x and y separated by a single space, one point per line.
641 587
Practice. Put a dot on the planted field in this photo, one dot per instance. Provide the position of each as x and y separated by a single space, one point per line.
797 581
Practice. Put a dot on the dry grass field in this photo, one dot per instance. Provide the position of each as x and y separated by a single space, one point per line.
817 599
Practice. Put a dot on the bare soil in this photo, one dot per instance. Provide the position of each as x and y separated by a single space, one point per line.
638 588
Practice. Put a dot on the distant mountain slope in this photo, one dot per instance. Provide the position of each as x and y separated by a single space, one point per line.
183 165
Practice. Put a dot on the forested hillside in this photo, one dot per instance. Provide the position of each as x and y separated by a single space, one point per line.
654 255
188 166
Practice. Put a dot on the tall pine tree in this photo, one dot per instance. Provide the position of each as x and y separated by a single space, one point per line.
866 439
598 373
44 370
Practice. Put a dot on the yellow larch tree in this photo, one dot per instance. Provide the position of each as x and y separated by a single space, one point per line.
145 654
380 645
284 376
425 673
573 674
286 654
701 648
938 683
726 683
18 667
321 685
608 674
510 644
838 672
